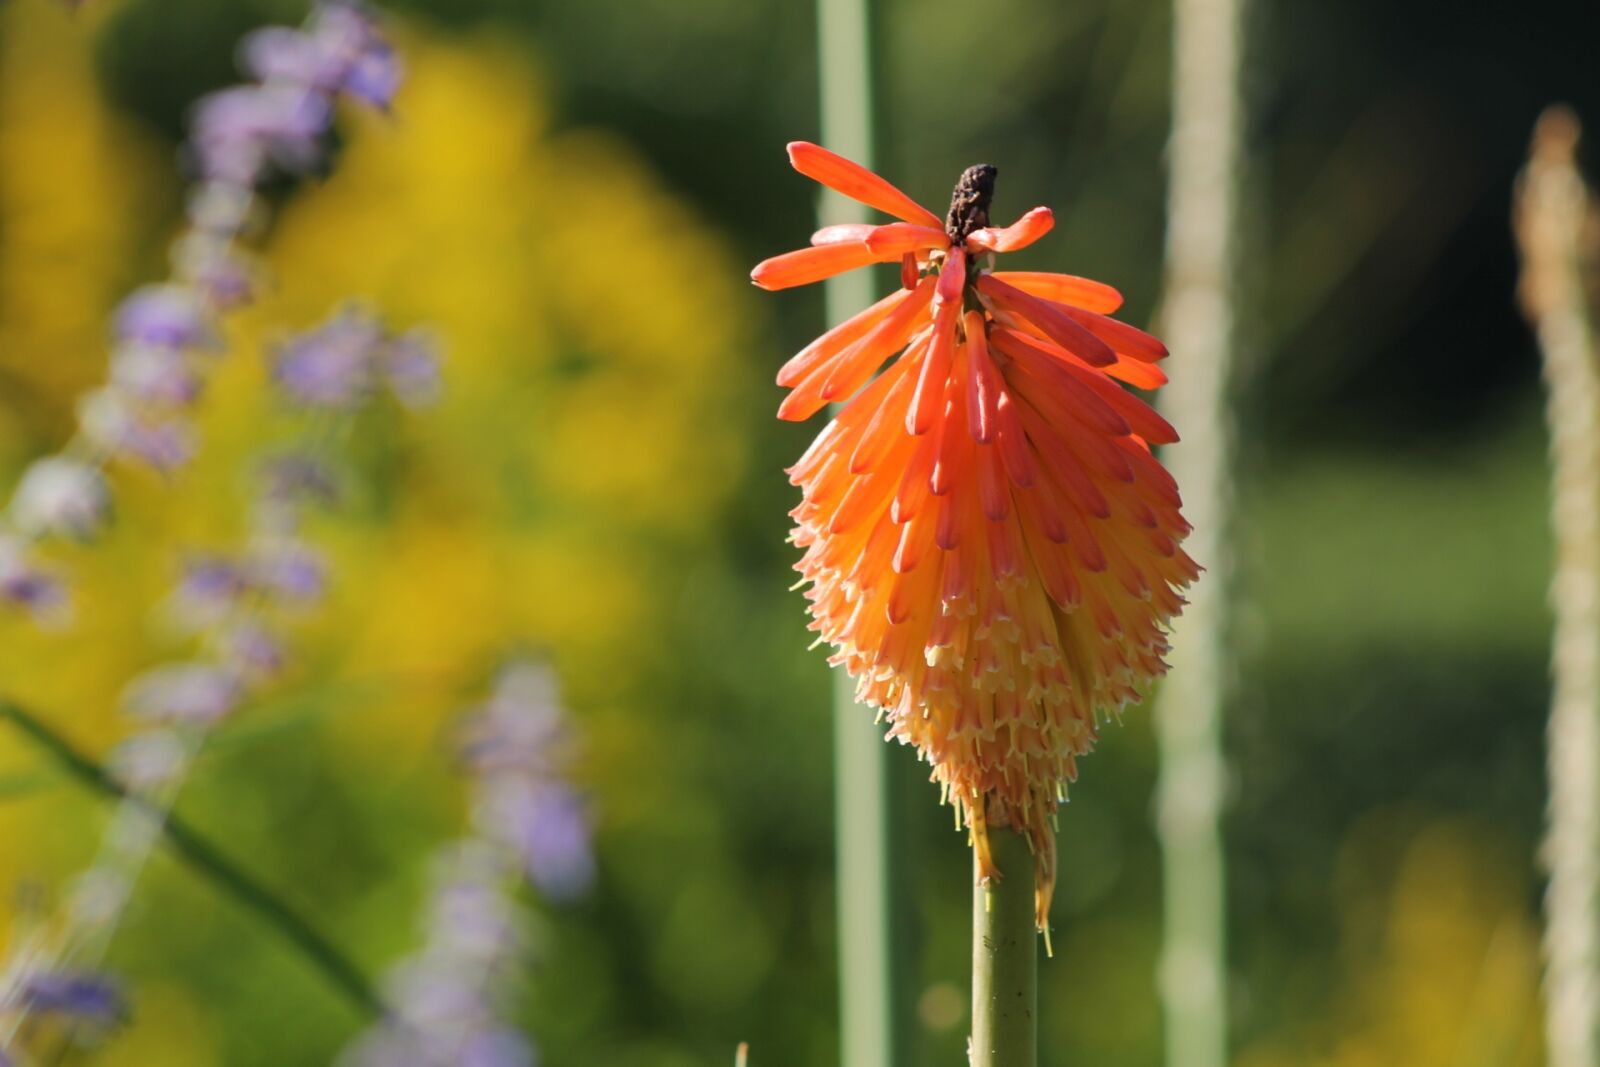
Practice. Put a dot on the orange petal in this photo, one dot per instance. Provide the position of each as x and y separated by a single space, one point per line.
1136 373
1064 289
1139 375
837 340
858 183
952 276
806 400
1081 402
928 401
983 381
912 496
1125 340
1140 417
1051 318
1020 234
954 447
882 432
1066 469
909 271
993 494
899 238
856 364
1013 442
843 233
806 265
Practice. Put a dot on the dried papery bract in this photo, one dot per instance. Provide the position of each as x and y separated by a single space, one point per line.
991 549
1558 230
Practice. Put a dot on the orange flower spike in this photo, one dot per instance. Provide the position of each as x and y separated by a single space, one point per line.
858 183
992 549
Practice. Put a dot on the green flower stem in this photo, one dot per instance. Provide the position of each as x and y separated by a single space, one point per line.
874 1015
1005 960
204 859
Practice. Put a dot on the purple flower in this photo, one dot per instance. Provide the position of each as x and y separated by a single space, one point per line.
155 373
253 650
374 78
236 132
86 998
163 315
209 263
410 364
186 692
359 61
293 479
24 584
62 497
147 760
342 52
110 422
208 590
471 916
545 823
219 209
279 53
495 1047
520 727
291 572
331 366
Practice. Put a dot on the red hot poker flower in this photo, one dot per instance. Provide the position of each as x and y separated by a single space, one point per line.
992 551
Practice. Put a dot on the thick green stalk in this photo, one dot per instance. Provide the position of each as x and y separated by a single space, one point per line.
1005 960
871 1027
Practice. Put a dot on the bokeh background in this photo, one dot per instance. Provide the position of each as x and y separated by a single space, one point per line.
572 194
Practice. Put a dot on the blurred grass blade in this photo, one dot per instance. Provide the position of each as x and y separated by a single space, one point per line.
1198 317
204 859
1554 213
869 1028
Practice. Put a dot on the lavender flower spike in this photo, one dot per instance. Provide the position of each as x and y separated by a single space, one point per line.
447 998
515 746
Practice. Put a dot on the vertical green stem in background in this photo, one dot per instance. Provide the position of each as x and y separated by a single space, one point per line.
1198 318
1005 960
869 1023
1551 209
